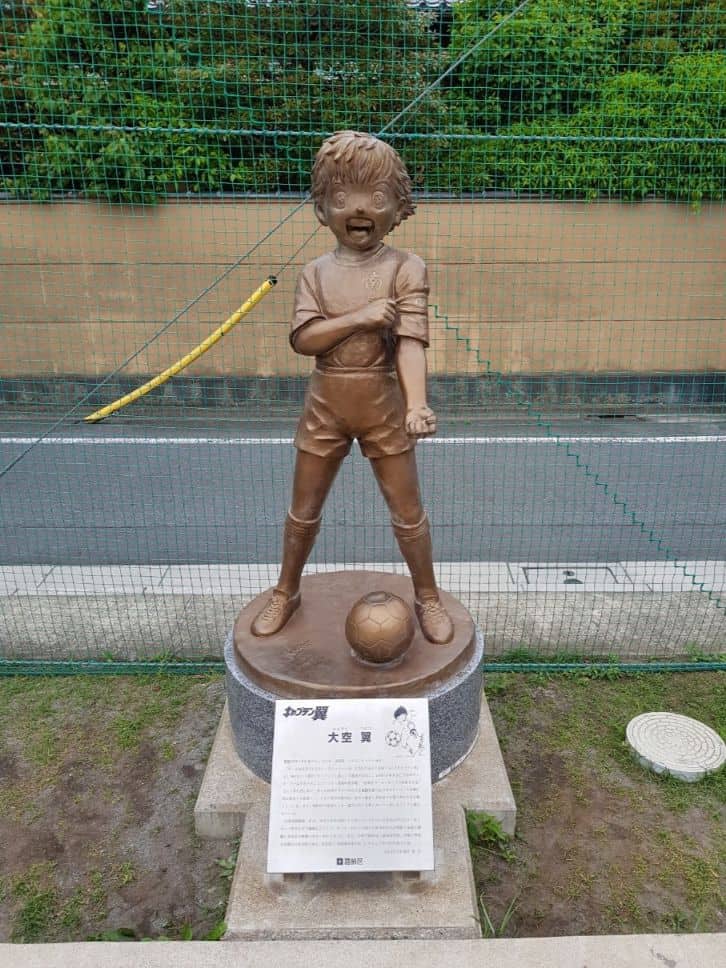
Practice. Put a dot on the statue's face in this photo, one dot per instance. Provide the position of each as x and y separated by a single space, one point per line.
359 216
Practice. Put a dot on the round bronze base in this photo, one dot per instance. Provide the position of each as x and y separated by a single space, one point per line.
311 656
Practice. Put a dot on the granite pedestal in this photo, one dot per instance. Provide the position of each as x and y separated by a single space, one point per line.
453 716
310 659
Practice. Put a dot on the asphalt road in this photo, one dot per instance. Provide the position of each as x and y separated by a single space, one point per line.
142 493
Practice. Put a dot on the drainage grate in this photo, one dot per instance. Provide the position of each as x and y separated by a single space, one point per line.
612 416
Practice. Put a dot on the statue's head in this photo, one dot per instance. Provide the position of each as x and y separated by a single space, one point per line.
360 188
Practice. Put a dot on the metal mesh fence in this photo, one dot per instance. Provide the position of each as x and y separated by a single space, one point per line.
568 163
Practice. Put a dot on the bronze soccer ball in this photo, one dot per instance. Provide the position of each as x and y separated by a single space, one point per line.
379 627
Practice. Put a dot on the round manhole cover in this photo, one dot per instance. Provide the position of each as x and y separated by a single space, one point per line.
675 744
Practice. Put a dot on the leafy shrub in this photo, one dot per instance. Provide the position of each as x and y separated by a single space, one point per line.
687 101
106 98
209 96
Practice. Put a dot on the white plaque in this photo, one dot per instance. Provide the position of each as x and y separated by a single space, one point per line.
351 786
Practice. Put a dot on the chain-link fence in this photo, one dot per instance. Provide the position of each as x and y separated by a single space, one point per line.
568 161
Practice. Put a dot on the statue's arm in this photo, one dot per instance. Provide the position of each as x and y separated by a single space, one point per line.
412 330
411 369
317 336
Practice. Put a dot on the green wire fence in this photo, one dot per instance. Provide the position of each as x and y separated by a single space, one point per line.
568 160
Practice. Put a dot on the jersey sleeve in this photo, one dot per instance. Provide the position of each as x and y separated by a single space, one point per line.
412 295
306 308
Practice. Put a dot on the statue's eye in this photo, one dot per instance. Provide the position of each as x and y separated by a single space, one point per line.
339 199
379 200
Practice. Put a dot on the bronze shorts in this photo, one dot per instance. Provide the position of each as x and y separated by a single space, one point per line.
343 405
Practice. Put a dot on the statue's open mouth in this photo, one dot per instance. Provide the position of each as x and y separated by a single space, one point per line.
359 228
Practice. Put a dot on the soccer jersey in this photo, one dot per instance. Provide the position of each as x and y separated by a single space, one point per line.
332 286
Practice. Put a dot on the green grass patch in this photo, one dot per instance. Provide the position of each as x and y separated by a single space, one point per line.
628 850
100 774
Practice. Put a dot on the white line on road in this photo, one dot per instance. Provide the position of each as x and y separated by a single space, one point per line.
247 441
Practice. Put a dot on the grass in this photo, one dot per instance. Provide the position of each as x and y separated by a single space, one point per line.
602 845
41 906
92 775
47 730
488 928
594 719
38 904
622 848
182 932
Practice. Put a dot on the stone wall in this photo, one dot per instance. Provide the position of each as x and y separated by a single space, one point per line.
535 288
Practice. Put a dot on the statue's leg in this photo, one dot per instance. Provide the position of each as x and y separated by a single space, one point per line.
313 478
398 480
312 481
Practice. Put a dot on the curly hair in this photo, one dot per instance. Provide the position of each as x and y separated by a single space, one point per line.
351 156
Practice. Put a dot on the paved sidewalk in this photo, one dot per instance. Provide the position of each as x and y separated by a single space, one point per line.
481 577
634 610
619 951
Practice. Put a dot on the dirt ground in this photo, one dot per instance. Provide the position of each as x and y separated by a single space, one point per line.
603 846
98 778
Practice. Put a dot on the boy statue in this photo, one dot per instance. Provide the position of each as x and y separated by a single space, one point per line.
362 312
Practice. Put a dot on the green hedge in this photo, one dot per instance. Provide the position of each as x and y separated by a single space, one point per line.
106 98
588 155
209 71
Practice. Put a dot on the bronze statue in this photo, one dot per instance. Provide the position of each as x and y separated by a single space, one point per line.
362 312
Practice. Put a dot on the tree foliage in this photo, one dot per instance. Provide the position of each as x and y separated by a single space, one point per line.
15 17
202 96
565 72
593 152
553 58
132 101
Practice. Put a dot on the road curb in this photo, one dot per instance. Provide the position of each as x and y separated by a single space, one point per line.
616 951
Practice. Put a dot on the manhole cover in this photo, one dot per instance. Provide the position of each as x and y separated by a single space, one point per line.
675 744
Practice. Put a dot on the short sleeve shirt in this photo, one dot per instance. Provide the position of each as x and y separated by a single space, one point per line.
329 287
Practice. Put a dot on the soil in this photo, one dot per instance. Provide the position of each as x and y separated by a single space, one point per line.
603 846
96 810
98 778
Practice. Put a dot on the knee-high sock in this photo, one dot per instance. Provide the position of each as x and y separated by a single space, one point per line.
297 543
414 540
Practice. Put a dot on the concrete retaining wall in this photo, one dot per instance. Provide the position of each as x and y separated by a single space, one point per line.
537 287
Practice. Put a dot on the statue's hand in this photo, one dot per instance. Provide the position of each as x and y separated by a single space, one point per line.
420 422
378 314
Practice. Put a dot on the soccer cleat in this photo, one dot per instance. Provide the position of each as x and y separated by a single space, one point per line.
434 620
276 613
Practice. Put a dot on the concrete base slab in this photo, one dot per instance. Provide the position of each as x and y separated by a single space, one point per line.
229 790
440 904
605 951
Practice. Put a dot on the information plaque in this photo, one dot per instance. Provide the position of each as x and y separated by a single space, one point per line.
351 786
